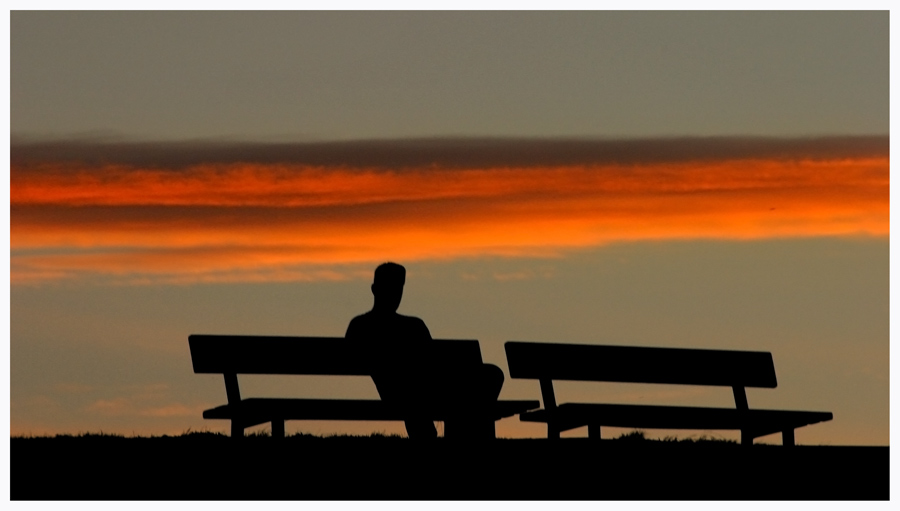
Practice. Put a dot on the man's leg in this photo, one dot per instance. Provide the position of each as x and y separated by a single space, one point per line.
477 392
405 390
420 429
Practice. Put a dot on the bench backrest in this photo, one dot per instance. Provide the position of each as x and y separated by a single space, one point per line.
245 354
630 364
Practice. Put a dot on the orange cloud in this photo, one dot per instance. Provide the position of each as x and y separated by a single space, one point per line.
258 221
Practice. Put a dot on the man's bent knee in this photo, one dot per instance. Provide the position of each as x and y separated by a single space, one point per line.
492 380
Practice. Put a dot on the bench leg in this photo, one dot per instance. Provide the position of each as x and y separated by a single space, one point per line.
490 430
552 431
237 429
278 428
594 431
787 438
746 438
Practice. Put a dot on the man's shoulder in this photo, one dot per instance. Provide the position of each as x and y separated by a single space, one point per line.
410 319
360 322
372 316
415 327
362 318
373 323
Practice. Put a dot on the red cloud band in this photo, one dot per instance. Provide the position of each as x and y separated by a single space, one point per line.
255 221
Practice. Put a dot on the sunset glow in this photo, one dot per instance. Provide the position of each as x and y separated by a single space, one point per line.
259 221
678 179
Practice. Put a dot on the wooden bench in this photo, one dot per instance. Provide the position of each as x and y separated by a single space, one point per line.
231 355
546 362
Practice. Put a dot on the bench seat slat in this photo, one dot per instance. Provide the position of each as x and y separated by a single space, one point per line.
638 364
760 422
245 354
261 410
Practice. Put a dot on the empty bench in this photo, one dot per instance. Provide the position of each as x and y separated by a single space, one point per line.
547 362
231 355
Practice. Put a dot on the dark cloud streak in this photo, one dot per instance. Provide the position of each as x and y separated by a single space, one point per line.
452 153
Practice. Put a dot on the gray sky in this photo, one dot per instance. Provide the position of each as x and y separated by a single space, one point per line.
344 75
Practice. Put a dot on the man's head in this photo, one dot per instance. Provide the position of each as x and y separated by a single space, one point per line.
388 286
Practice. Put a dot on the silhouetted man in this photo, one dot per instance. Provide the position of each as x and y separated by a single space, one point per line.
406 372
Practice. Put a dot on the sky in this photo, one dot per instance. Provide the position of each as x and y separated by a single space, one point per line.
678 179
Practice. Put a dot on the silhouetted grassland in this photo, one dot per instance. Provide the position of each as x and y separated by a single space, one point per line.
211 466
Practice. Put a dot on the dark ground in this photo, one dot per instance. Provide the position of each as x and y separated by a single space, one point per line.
213 467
